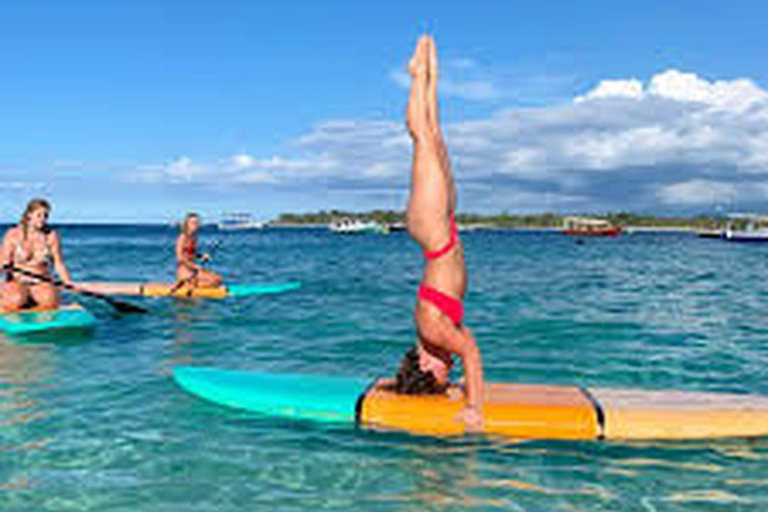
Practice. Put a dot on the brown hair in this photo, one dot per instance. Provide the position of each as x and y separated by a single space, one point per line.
412 380
188 217
32 205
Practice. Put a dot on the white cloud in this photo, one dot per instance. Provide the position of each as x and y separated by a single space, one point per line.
731 95
615 89
183 169
180 170
256 177
696 192
707 192
735 95
679 140
243 162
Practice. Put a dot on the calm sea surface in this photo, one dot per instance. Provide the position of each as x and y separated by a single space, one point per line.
96 422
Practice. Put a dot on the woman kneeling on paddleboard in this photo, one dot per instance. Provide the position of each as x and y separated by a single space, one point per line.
32 246
425 369
188 272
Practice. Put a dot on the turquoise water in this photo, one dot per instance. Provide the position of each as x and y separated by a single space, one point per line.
96 423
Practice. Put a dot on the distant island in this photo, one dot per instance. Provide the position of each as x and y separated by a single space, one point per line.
511 221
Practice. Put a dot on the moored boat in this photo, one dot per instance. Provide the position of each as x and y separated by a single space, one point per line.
746 227
239 222
582 226
348 226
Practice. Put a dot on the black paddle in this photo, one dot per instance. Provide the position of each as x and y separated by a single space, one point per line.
119 305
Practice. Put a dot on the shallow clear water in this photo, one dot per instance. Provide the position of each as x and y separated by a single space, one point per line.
96 423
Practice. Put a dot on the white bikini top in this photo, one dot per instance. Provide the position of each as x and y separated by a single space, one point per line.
23 256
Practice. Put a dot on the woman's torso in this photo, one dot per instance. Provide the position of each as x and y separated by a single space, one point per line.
32 251
189 248
448 273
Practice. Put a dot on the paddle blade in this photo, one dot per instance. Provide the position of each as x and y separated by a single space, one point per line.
126 307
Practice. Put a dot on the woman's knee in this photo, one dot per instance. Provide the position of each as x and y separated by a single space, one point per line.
14 297
209 279
45 297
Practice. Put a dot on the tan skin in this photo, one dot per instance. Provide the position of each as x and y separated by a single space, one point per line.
19 291
188 271
432 199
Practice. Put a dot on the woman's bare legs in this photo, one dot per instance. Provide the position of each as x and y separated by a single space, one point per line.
430 198
208 279
202 278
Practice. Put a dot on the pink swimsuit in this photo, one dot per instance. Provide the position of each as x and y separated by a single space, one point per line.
453 308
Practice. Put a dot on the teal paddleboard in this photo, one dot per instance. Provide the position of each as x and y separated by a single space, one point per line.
243 290
72 317
316 397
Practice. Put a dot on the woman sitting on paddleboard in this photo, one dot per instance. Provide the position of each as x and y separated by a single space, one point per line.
188 272
32 246
425 369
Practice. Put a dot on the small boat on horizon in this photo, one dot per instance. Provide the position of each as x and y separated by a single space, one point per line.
348 226
239 221
583 226
755 228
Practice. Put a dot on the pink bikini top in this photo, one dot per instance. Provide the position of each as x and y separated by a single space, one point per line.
433 255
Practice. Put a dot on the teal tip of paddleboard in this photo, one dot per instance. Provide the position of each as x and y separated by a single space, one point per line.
321 398
244 290
31 322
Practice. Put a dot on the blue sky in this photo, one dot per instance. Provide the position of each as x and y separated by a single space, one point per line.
142 110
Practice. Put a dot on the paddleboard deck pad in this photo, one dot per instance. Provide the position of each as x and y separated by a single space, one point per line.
170 290
520 411
65 318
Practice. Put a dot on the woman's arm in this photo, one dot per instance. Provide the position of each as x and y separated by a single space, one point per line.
473 369
441 332
6 251
58 259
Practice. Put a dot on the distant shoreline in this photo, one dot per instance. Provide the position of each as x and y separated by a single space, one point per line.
522 222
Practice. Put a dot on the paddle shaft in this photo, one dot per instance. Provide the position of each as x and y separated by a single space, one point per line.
123 307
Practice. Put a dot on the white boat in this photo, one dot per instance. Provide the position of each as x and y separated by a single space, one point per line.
357 227
239 222
755 230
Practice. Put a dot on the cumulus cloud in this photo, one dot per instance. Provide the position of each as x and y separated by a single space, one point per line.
734 95
708 192
179 170
615 89
678 140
